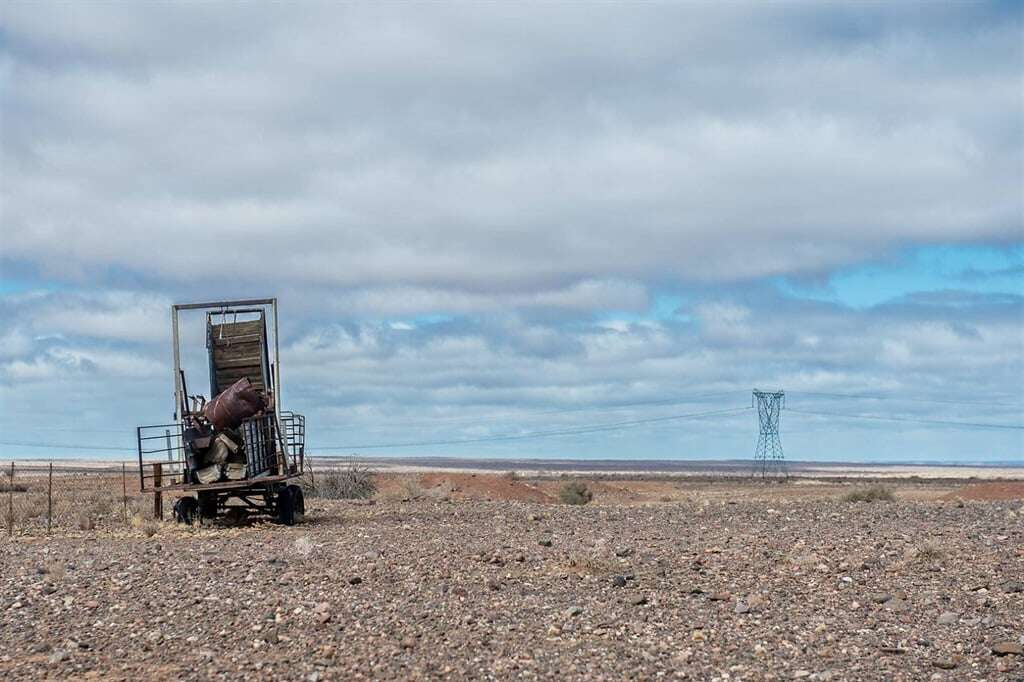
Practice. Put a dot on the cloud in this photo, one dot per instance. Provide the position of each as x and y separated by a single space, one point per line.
473 213
472 150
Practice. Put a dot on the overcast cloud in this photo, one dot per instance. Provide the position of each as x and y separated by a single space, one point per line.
493 211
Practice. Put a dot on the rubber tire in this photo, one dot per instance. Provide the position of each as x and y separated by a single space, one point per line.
186 510
207 505
286 505
298 503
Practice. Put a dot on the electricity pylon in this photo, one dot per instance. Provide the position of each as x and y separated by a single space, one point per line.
768 457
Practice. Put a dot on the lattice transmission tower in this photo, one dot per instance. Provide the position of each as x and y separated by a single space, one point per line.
768 457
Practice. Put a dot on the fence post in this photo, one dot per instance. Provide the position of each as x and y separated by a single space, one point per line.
124 489
49 499
10 503
158 500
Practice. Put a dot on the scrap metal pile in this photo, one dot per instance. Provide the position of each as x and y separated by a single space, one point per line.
214 447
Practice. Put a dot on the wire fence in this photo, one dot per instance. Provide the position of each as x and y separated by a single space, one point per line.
38 497
41 497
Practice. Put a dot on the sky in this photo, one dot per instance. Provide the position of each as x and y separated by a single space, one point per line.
524 229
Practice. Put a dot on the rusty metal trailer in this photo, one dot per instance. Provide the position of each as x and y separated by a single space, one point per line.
266 449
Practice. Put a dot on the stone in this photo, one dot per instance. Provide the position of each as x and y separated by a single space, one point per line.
880 597
355 580
639 601
896 605
619 581
898 650
544 542
947 618
1007 648
623 552
574 611
944 663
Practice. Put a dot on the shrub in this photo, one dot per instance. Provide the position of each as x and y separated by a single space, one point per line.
147 526
929 552
354 482
412 488
875 493
575 492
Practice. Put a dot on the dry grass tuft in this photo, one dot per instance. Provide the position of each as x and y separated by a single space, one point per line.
148 527
929 552
876 493
575 492
354 482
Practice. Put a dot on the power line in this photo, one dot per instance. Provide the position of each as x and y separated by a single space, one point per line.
868 396
536 434
938 422
568 410
64 446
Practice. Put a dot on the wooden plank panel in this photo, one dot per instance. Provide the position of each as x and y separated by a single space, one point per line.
237 329
234 349
242 361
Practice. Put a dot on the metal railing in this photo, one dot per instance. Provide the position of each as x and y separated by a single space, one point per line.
163 460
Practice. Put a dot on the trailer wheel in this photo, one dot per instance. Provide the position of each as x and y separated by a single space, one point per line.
208 505
186 510
290 505
286 506
299 503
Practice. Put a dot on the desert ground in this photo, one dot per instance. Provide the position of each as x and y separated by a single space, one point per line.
487 575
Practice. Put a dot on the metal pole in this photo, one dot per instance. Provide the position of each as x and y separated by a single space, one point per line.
49 500
10 504
177 363
282 446
124 488
277 361
158 502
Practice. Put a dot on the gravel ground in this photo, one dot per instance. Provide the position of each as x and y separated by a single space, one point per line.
704 589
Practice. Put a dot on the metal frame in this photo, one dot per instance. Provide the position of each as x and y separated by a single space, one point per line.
768 455
226 306
288 429
275 366
166 472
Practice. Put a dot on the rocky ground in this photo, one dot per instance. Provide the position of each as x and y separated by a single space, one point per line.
707 587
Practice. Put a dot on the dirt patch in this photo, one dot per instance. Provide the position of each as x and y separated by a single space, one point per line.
463 486
631 491
1002 490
